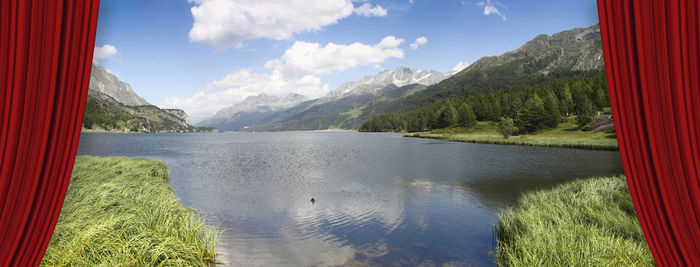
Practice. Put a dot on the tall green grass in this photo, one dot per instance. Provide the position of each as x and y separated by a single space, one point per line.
123 212
588 222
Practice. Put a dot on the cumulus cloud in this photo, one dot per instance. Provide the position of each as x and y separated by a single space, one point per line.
460 66
311 58
491 9
103 52
228 23
294 72
367 10
419 42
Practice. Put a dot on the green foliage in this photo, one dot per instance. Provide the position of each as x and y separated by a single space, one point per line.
448 117
585 112
466 116
567 101
506 126
123 212
383 123
551 108
533 115
600 98
588 222
532 107
97 115
104 112
566 135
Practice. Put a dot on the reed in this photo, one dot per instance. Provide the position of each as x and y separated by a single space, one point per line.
123 212
588 222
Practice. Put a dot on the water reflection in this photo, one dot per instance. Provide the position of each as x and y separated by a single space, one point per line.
380 199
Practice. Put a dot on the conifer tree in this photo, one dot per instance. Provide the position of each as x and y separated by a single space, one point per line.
466 116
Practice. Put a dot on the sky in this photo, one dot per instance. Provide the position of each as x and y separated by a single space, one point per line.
204 55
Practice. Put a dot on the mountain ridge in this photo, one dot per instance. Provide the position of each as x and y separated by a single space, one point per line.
251 110
103 81
112 106
338 109
564 54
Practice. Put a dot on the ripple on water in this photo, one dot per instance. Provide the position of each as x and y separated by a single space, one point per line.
381 199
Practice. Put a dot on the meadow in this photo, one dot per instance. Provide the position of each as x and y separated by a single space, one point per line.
122 212
566 135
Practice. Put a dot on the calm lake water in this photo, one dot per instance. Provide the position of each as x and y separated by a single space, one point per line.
381 199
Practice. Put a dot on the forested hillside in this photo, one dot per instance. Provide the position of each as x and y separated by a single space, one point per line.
530 107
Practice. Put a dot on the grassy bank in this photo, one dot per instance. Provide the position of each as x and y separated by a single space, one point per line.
587 222
566 135
123 212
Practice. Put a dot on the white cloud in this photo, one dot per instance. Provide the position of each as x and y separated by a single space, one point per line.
236 86
311 58
367 10
103 52
460 66
419 42
294 72
490 8
228 23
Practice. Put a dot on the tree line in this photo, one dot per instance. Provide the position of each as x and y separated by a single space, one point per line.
528 108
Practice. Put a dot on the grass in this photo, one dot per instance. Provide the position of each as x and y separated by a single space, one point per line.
123 212
589 222
566 135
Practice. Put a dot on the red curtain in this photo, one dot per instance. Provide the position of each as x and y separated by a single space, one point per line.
652 63
45 59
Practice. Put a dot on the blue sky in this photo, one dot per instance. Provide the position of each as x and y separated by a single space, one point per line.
203 55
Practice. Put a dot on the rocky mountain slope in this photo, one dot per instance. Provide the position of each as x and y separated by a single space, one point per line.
399 77
104 113
105 110
576 50
544 57
107 83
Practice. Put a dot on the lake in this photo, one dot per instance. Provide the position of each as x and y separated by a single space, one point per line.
381 199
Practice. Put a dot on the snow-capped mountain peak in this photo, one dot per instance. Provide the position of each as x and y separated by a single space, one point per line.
399 77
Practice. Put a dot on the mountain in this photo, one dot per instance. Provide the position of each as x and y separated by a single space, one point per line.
571 53
543 58
567 63
576 50
401 76
345 107
107 83
252 111
113 106
104 113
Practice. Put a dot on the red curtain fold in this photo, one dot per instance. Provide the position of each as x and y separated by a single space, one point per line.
653 70
45 59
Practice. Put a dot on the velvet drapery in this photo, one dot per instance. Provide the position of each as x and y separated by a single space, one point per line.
652 64
45 59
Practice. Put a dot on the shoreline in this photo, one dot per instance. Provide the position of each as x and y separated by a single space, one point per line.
566 135
122 211
516 141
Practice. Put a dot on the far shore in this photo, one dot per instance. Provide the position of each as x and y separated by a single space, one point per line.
102 131
567 135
